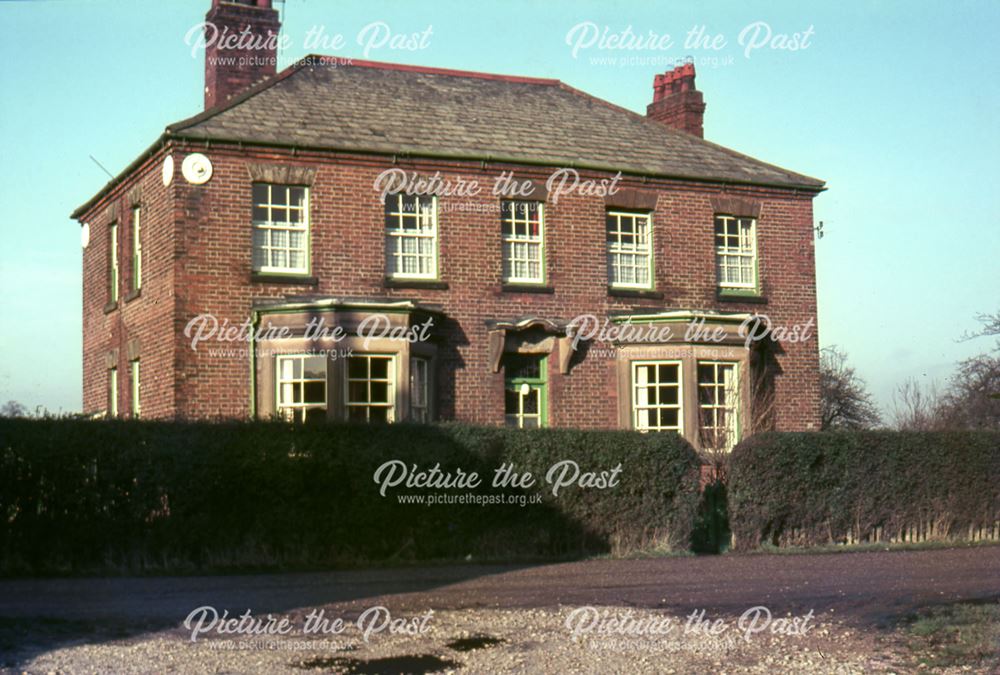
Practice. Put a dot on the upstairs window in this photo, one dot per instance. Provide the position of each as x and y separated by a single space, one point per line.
630 250
736 253
523 248
411 236
280 229
301 387
136 248
113 263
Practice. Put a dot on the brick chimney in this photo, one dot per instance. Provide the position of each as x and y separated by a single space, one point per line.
241 47
676 102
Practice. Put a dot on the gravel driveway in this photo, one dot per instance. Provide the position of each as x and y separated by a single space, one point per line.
592 616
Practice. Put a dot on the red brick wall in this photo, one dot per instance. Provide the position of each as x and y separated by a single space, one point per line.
148 317
212 258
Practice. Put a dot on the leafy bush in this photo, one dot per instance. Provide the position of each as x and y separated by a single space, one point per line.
822 488
85 496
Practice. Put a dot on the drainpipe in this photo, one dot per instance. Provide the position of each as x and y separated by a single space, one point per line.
254 321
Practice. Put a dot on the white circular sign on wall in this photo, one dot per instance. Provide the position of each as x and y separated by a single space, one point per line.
196 168
85 235
168 169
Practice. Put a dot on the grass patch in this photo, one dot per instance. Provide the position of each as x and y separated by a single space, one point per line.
965 634
861 548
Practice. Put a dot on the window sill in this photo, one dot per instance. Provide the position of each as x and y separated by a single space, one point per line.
133 294
634 293
111 306
741 296
294 279
431 284
527 288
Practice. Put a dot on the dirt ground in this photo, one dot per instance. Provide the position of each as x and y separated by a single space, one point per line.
834 613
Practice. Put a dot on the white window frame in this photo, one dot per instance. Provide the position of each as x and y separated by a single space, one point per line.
292 410
617 249
744 250
113 392
269 227
395 234
635 386
514 243
420 408
113 281
136 248
389 380
135 383
733 394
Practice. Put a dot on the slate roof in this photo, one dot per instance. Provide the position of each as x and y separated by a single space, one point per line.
408 110
403 110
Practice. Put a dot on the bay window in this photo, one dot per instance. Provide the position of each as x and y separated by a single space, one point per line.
301 380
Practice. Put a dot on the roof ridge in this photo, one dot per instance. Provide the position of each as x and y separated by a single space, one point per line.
434 70
312 60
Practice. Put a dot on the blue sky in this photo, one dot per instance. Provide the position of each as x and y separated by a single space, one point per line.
894 104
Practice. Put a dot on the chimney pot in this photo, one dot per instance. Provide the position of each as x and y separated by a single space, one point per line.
233 69
677 103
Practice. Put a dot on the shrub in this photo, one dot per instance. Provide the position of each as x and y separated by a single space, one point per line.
86 496
834 487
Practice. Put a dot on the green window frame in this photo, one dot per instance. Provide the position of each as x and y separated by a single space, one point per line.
525 390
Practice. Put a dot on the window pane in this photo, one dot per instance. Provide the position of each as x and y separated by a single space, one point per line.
357 392
315 392
379 368
379 392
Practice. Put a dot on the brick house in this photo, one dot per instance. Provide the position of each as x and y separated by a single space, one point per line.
264 216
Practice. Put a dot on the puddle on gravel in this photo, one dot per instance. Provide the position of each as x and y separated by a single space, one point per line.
474 642
417 664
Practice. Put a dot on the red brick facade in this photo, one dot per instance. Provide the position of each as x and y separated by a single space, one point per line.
197 248
197 259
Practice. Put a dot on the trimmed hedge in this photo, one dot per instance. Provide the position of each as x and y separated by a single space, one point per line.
814 489
131 496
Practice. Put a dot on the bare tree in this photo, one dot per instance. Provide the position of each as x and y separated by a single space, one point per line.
916 407
972 400
13 409
845 402
991 326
